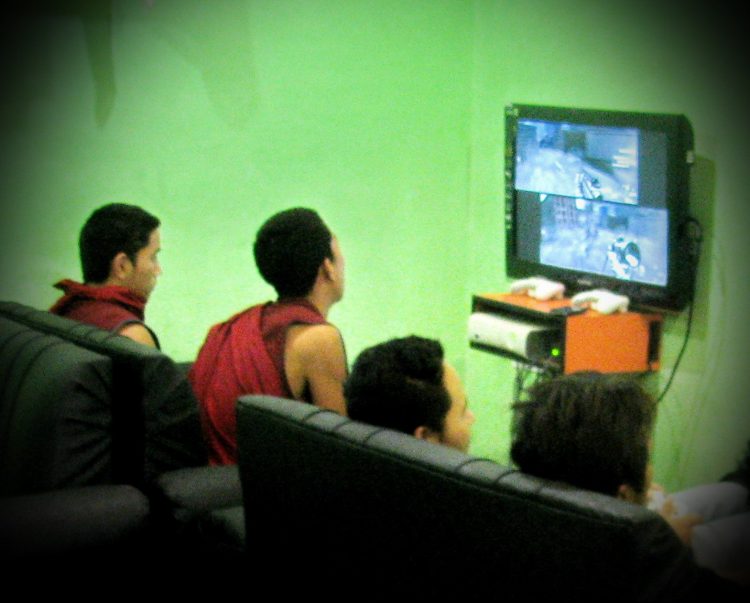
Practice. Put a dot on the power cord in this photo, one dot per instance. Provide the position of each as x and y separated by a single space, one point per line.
525 373
694 232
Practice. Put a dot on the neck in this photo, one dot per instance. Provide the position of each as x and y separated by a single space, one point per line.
111 281
115 282
321 301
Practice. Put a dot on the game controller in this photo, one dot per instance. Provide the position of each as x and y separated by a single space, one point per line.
538 288
601 300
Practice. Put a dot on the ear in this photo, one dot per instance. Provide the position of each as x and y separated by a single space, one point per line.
425 433
626 492
120 266
327 270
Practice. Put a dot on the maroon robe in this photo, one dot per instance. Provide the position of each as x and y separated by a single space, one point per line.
109 307
243 355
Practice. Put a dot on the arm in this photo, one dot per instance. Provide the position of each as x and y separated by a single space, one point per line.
315 358
138 332
682 524
665 505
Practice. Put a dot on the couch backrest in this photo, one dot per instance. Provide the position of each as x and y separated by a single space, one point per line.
155 416
356 504
55 412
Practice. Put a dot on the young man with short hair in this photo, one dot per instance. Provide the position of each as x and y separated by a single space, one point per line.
118 246
405 384
590 430
594 431
285 348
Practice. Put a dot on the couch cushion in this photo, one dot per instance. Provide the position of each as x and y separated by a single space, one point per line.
199 489
55 412
191 507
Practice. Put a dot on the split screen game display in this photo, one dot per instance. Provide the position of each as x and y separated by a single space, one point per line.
591 198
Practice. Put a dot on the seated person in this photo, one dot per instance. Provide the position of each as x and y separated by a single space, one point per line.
285 348
405 385
722 540
592 431
118 245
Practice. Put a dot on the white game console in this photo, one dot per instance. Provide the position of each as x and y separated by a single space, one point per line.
538 288
525 339
601 300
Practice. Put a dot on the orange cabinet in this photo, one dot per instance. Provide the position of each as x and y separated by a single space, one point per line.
623 342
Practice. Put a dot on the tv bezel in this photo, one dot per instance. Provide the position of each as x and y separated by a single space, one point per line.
678 290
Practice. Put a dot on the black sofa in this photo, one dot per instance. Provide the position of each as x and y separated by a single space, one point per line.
155 421
91 420
58 493
359 509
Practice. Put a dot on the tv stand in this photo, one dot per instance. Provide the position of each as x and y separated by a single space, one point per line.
547 335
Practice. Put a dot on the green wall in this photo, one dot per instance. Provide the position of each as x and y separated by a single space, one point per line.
384 115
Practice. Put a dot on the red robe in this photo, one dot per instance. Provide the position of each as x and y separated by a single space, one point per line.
243 355
109 307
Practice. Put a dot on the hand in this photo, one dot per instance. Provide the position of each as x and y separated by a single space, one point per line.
682 524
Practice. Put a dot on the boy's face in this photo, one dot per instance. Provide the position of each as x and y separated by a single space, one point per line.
141 279
459 419
339 268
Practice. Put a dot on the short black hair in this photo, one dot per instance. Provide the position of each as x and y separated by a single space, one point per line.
588 429
398 384
109 230
289 248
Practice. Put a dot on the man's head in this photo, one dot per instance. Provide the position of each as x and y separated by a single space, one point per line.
118 245
404 384
590 430
291 248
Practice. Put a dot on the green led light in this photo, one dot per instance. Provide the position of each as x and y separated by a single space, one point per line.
555 352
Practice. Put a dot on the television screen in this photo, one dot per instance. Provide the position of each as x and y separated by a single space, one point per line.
599 199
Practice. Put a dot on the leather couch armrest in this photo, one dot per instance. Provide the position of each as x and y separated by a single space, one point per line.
91 520
198 489
192 507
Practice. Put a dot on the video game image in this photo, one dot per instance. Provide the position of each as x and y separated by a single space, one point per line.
626 242
589 162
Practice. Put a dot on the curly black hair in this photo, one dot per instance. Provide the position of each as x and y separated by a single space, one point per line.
399 384
289 248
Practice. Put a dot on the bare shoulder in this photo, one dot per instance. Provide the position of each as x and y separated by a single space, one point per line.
138 332
315 349
314 339
315 359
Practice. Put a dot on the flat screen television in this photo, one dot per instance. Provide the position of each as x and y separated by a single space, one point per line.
600 200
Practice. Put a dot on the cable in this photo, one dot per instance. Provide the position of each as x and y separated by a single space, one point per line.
695 235
680 354
524 371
